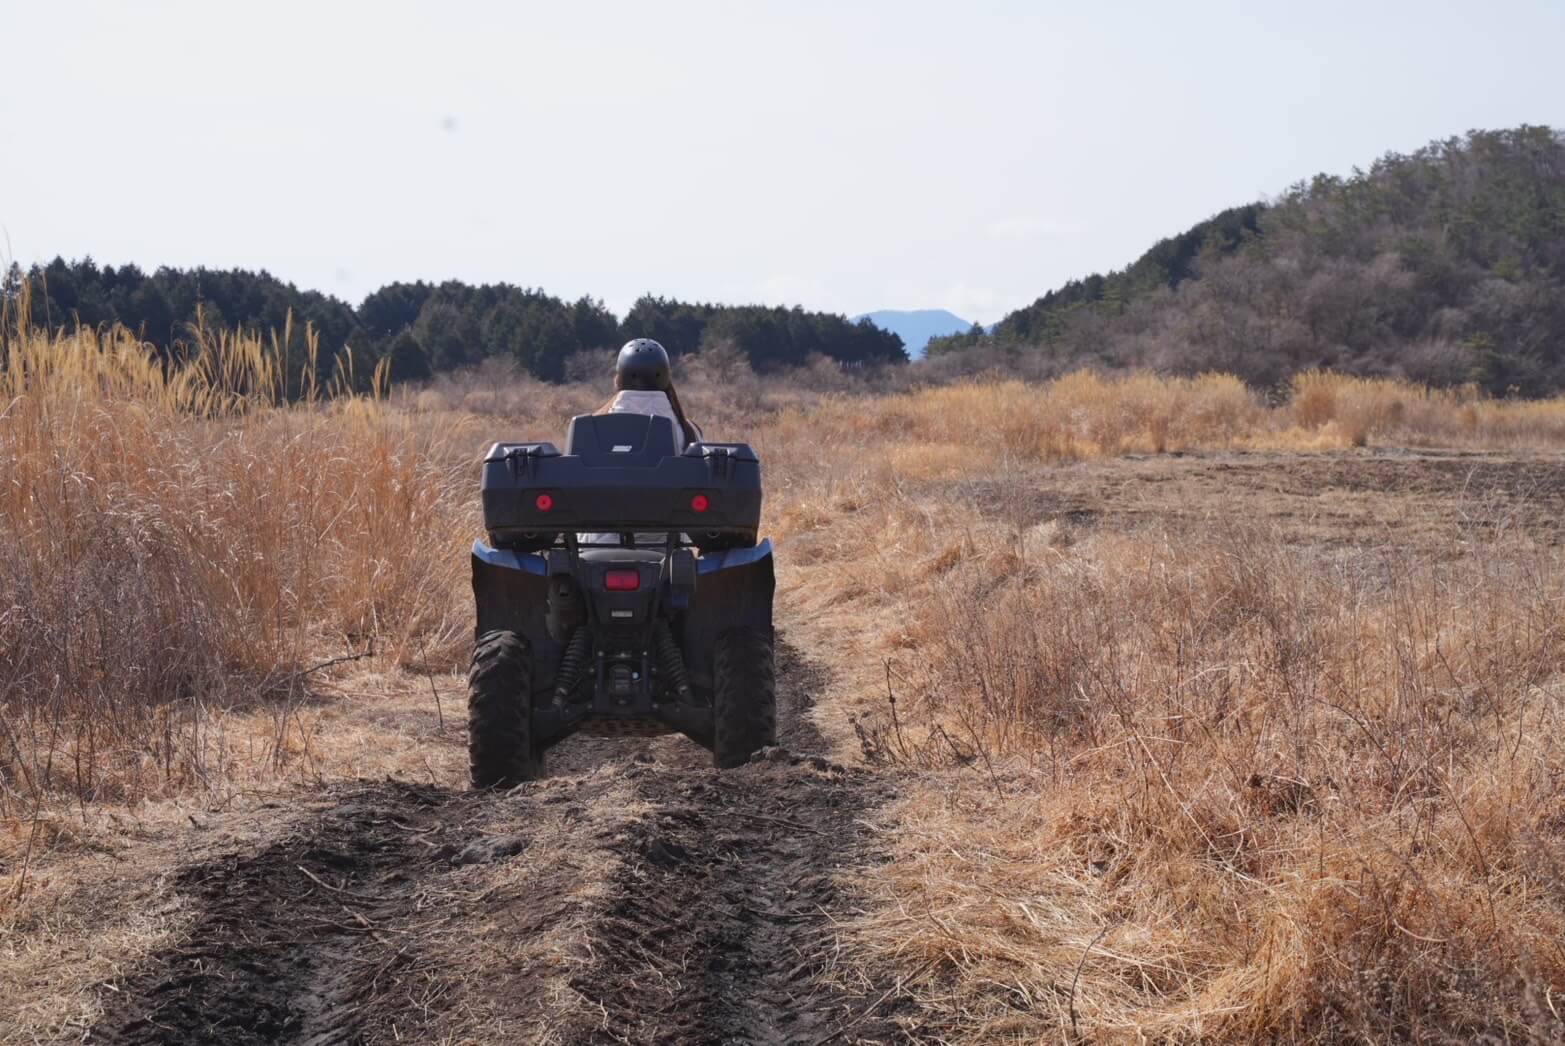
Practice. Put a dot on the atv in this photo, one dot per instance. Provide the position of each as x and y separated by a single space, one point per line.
622 592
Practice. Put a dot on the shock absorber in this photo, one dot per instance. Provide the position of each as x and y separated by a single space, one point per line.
572 664
670 661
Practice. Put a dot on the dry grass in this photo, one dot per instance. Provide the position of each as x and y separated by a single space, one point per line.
1297 796
1172 784
174 542
1361 410
1211 785
1087 415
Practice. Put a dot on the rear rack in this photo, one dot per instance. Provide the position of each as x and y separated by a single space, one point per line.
620 474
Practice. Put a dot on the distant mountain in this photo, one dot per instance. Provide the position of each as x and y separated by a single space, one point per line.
915 327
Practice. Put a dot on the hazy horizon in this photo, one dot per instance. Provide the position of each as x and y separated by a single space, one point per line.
885 157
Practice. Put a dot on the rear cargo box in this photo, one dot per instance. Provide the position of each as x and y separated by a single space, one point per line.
620 473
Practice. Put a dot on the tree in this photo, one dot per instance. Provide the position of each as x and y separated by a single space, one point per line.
407 360
424 328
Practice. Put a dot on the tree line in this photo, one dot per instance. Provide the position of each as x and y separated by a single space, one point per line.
420 329
1445 266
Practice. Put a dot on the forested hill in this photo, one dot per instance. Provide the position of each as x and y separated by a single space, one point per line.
1169 263
1444 266
424 327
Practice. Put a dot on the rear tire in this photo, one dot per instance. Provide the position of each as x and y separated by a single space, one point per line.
500 750
744 697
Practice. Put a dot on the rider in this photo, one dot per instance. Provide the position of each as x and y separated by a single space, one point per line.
645 385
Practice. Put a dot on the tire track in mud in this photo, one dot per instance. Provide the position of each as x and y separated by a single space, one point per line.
284 936
716 926
636 899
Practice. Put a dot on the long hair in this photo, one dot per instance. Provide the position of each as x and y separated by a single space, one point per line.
692 430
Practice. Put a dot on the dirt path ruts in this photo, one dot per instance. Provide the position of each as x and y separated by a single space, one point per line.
716 924
631 897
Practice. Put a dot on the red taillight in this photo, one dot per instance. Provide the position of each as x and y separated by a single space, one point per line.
622 580
544 502
700 503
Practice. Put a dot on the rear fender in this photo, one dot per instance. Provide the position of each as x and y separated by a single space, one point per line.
511 590
734 589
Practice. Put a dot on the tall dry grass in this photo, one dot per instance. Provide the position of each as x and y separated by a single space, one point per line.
1359 410
1248 793
1087 415
176 539
1194 785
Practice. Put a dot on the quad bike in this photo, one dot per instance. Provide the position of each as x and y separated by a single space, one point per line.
622 592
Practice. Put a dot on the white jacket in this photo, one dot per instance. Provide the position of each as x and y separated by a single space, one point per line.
635 401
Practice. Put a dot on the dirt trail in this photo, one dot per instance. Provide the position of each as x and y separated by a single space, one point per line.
632 897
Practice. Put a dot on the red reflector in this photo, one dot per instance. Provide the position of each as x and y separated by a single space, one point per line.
544 502
622 580
699 503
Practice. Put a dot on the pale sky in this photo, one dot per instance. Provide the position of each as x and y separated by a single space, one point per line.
843 156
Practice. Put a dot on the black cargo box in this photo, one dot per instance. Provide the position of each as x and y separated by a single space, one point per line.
620 473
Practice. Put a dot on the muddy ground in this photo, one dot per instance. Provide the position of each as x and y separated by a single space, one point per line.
1362 499
634 896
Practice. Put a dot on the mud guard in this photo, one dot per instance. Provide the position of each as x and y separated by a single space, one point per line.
511 591
734 589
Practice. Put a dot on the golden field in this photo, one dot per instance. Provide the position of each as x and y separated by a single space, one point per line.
1211 716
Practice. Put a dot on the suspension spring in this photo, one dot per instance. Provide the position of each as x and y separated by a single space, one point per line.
573 664
670 661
